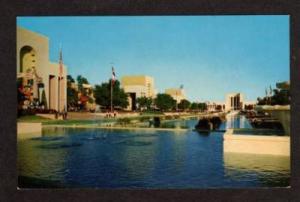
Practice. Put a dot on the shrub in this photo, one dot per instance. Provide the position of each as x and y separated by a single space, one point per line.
124 121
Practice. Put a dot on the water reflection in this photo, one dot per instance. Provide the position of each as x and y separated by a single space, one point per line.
269 170
145 159
237 121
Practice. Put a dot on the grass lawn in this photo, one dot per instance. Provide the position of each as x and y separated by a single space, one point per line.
32 118
45 121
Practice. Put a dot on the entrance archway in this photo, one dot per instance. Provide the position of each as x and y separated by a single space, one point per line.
27 58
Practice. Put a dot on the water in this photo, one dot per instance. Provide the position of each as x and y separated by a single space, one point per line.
143 159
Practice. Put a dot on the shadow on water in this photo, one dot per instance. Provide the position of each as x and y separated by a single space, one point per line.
47 138
59 145
33 182
203 133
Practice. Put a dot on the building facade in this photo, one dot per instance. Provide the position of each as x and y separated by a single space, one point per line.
176 93
137 86
215 106
36 74
234 101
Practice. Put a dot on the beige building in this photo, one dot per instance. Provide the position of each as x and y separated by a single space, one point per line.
215 106
176 93
137 86
234 101
37 73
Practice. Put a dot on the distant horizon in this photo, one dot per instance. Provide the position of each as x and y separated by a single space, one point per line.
209 55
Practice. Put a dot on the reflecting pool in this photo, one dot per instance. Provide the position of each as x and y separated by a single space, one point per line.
106 158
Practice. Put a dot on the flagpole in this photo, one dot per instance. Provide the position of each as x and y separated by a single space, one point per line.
111 96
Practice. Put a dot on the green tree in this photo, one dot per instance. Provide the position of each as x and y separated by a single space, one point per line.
103 97
184 104
202 106
72 94
194 106
281 96
164 102
144 102
81 80
70 79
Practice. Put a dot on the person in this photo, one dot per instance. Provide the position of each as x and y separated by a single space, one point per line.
56 114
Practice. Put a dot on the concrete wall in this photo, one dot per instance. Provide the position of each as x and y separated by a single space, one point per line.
282 113
28 130
256 144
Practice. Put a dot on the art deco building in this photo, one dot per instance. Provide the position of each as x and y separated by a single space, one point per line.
137 86
176 93
36 74
234 101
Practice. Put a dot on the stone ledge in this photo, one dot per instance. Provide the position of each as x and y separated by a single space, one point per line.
256 144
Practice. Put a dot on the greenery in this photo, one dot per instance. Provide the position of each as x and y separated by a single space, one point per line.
144 102
103 97
184 104
198 106
70 79
202 106
164 102
280 96
72 94
124 121
32 118
194 106
80 81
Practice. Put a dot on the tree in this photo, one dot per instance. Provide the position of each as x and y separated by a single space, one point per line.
144 102
184 104
70 79
103 97
202 106
194 106
219 108
81 80
280 97
72 93
164 102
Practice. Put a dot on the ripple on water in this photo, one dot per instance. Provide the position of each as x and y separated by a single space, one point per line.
46 138
59 145
91 138
133 143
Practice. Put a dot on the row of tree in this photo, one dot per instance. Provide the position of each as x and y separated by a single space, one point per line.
278 96
102 95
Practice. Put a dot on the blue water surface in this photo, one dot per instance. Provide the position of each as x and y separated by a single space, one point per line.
103 158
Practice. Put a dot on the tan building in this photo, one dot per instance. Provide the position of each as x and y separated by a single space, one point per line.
176 93
137 86
36 73
234 101
215 106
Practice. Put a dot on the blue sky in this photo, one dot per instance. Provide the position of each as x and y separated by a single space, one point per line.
209 55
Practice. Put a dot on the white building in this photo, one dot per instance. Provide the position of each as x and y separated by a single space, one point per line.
234 101
137 86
